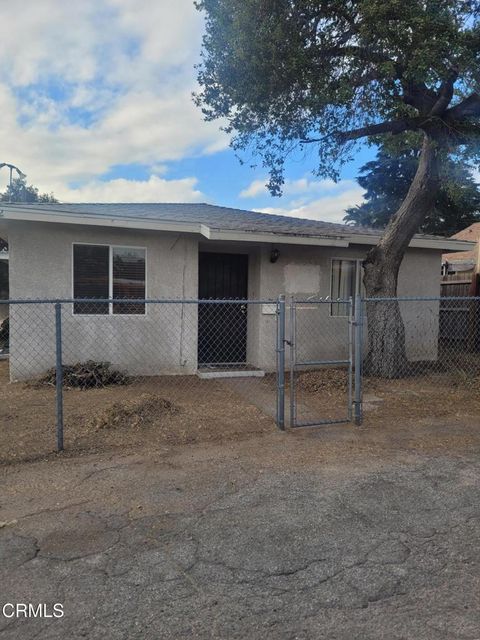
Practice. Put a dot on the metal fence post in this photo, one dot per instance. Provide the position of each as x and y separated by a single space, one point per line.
59 375
281 362
293 361
351 325
357 403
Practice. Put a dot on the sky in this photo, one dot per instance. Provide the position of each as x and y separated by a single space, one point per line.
95 103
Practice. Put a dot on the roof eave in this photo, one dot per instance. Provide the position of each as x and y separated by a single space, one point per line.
232 235
419 242
36 215
40 215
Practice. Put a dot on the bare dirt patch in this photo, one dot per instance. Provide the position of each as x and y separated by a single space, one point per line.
149 413
425 396
429 394
161 412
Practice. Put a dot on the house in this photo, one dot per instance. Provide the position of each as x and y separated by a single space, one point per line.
191 251
461 270
459 320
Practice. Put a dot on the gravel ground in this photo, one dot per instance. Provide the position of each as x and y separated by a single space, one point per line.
337 533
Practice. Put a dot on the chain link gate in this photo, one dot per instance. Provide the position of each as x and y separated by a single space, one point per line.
321 345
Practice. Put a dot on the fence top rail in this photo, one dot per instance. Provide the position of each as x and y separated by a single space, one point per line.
134 301
322 300
233 301
423 299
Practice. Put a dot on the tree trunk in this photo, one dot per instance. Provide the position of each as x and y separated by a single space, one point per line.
386 354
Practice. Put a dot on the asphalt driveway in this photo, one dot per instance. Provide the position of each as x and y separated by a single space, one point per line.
336 534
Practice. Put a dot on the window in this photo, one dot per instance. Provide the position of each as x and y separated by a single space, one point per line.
128 278
91 277
101 271
345 284
3 280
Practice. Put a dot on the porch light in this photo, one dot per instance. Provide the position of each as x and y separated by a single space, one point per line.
274 255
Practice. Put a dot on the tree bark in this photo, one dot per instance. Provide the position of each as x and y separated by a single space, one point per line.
386 353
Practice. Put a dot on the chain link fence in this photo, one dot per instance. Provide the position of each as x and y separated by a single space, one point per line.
77 374
321 340
433 360
89 374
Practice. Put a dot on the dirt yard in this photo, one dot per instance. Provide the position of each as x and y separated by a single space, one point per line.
151 413
432 395
155 413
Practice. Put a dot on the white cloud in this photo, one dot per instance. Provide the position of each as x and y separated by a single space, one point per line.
313 199
305 185
291 187
155 189
48 38
329 208
254 189
88 85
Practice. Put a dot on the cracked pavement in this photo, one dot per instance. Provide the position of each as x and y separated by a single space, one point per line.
277 536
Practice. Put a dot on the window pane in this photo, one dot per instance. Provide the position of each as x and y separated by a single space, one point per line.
128 279
90 277
343 284
3 279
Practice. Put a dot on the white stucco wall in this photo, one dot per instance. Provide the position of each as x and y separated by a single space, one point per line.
4 274
306 273
165 339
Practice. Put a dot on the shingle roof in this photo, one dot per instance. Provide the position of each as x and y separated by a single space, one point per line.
214 216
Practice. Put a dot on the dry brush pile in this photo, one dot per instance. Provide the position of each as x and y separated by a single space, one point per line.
86 375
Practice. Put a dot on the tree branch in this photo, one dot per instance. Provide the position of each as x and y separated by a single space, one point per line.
445 94
418 95
353 50
348 17
452 122
390 126
468 108
464 132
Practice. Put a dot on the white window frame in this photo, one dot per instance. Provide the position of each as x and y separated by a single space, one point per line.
358 282
110 281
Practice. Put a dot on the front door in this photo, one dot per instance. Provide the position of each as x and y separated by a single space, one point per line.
222 327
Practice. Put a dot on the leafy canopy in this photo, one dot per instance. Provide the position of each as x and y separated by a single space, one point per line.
285 74
19 191
387 179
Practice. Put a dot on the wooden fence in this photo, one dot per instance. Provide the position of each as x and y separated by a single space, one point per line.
460 319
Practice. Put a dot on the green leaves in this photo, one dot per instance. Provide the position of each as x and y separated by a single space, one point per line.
282 71
387 179
19 191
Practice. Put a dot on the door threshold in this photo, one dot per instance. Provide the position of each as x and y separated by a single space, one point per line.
206 373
